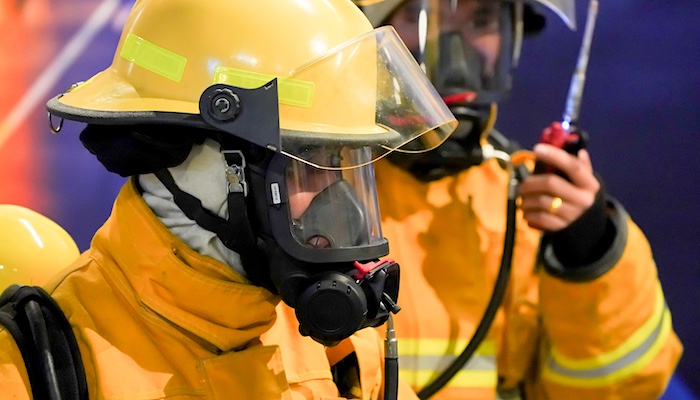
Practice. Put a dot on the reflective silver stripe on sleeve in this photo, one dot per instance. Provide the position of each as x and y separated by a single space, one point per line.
604 369
440 363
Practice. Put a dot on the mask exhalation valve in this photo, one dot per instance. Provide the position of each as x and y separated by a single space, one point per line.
339 304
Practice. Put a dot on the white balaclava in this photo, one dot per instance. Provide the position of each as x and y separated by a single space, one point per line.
203 175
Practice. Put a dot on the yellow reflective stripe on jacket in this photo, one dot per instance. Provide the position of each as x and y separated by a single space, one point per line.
438 347
629 358
422 360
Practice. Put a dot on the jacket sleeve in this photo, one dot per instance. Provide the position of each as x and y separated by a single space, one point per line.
13 376
607 330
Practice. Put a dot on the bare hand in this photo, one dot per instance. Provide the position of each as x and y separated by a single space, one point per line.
539 192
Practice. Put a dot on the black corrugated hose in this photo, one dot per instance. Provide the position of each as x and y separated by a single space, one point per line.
494 303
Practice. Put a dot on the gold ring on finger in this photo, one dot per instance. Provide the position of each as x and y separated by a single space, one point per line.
555 205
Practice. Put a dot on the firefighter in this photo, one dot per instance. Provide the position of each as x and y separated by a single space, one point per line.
583 314
248 130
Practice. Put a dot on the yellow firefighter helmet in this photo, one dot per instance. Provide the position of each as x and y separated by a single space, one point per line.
33 248
337 76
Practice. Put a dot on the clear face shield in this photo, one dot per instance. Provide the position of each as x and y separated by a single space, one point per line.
339 113
367 92
466 49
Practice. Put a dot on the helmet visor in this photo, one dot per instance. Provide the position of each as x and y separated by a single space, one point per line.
565 9
366 93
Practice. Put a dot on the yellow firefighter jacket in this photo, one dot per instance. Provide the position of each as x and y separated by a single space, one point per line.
604 338
156 320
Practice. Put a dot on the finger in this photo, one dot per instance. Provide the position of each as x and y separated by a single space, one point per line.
544 221
543 202
567 208
578 169
585 158
567 212
551 155
553 186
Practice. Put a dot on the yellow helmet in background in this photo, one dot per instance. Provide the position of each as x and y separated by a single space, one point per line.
334 72
33 248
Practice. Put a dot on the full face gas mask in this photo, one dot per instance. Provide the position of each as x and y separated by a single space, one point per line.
468 49
298 98
323 244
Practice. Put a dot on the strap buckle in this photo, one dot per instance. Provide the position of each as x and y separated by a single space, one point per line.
235 171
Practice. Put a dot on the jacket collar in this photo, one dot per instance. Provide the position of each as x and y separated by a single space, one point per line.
196 293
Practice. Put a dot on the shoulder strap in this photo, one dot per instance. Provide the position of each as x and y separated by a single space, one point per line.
47 343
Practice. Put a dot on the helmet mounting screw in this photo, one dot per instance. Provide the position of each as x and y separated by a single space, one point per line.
225 105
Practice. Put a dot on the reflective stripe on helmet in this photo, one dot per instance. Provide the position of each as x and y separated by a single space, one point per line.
171 65
293 92
154 58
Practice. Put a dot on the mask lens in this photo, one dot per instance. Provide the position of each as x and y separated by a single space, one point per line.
334 208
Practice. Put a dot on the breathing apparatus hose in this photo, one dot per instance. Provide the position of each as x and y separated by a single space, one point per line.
495 301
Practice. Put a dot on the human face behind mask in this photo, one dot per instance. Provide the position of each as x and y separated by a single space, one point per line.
458 42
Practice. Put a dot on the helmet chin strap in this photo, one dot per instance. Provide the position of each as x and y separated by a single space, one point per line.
200 173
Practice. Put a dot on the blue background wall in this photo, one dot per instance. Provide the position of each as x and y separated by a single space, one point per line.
640 107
